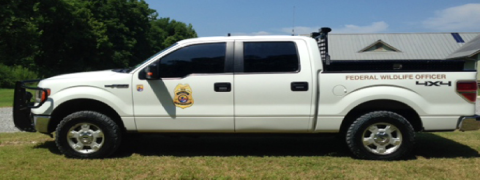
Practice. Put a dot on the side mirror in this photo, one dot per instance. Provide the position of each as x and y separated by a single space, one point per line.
151 72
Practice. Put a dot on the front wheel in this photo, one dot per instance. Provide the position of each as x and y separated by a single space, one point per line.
380 135
87 135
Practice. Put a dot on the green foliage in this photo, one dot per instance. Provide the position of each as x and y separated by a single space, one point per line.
6 97
9 75
62 36
18 33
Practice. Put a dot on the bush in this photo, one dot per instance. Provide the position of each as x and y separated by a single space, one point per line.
10 75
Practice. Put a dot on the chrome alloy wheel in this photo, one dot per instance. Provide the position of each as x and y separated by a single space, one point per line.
85 138
382 138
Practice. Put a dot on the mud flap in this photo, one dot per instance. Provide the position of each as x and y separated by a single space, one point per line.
21 109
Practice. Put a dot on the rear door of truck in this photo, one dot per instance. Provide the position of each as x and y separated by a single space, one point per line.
273 86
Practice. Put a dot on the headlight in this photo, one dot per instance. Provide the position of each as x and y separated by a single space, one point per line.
40 95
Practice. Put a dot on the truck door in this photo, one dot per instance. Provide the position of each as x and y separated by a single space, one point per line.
273 86
194 93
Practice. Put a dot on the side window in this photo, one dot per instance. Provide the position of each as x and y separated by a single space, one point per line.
270 57
201 58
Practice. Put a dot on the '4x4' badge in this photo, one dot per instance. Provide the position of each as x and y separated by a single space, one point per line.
434 83
183 96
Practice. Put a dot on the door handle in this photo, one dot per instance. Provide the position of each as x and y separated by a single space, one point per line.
299 86
222 87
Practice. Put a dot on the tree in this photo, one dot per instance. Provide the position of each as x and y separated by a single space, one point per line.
17 33
61 36
170 31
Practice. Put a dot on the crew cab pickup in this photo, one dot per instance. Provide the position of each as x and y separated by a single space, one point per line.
261 84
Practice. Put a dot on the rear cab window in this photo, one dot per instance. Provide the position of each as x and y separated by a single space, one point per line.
270 57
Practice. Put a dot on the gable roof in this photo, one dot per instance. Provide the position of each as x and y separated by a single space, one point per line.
379 45
470 49
413 46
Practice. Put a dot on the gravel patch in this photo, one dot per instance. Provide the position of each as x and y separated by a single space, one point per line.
6 120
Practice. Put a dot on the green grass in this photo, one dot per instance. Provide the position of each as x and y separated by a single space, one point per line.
449 155
6 97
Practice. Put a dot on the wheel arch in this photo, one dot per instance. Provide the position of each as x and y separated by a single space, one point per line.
76 105
383 105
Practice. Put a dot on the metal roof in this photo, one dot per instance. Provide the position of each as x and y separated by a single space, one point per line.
468 50
412 46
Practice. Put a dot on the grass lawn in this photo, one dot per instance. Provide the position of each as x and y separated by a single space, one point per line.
6 97
448 155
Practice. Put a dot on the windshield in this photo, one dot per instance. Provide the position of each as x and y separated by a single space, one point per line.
148 59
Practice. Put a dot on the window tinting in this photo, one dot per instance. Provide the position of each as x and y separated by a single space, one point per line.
201 58
270 57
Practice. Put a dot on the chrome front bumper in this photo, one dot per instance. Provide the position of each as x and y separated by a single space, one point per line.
469 123
41 123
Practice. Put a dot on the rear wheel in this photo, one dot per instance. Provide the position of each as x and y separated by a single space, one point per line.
87 134
380 135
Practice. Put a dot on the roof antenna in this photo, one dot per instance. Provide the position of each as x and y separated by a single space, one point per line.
228 34
293 27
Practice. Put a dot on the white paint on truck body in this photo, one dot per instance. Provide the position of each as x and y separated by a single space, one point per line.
438 106
262 102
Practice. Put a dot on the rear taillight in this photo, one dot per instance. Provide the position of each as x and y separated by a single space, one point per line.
468 89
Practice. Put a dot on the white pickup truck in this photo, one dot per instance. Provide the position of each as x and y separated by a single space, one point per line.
263 84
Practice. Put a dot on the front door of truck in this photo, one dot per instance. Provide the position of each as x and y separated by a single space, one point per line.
194 93
273 86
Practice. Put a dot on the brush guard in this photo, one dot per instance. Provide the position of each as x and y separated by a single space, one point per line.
22 105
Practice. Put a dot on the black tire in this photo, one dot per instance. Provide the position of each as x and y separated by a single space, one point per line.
93 134
380 135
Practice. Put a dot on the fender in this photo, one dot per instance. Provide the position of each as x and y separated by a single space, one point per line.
342 105
333 109
111 97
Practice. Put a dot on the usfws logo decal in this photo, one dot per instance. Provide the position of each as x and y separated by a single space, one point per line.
139 87
183 96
